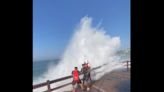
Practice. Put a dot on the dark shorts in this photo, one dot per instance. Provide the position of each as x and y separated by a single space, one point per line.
74 82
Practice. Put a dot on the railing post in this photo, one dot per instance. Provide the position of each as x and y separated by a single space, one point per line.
127 66
48 86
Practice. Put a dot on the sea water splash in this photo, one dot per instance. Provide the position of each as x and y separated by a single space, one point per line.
88 43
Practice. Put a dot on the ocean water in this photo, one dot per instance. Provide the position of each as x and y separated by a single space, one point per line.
41 67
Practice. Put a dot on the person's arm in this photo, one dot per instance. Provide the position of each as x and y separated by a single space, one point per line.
82 71
79 72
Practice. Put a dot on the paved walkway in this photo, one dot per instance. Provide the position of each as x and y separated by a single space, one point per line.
116 81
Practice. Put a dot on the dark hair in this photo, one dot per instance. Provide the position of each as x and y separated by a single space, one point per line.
75 67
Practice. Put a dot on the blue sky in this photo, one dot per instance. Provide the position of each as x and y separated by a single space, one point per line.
54 22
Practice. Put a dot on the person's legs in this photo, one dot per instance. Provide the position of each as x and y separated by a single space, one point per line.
73 90
73 86
88 84
83 80
81 85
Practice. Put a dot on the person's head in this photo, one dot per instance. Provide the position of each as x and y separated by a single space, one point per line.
75 68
